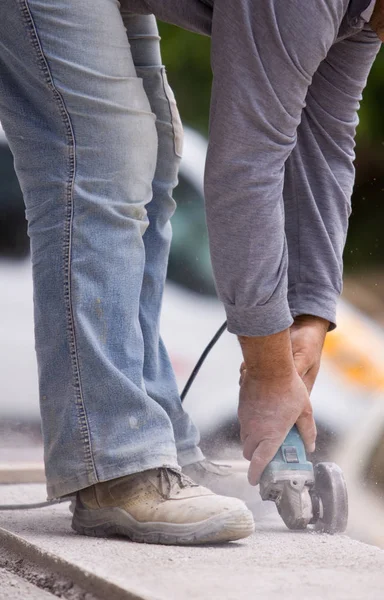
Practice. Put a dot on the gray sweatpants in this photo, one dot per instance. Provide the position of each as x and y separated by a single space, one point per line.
287 81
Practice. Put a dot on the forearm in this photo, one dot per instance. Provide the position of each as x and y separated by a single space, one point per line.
257 101
268 357
319 177
248 246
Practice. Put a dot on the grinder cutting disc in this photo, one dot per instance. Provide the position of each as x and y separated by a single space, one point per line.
330 496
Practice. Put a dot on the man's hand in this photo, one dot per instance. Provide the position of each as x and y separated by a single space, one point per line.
307 339
267 411
377 20
273 398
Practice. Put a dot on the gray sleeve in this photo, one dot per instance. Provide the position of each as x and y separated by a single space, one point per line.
263 62
193 15
319 177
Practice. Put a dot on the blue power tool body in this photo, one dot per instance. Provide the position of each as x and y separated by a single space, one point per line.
305 494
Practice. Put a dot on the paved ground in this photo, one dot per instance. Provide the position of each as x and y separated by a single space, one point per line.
15 588
274 564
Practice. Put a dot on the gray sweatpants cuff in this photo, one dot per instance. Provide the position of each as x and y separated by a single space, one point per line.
268 319
317 300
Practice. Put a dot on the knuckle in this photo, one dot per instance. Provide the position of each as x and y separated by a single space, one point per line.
307 412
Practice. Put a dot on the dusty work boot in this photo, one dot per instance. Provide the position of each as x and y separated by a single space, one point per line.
160 506
221 479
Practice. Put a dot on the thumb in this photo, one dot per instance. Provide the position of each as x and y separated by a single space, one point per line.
309 378
262 456
307 428
301 364
243 370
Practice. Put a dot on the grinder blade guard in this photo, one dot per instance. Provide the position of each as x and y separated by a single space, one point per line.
305 495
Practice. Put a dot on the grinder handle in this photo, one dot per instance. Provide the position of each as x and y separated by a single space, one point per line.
291 455
292 451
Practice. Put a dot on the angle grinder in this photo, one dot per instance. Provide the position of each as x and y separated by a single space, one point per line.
305 494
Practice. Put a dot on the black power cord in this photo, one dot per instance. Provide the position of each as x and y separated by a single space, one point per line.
201 360
183 394
33 505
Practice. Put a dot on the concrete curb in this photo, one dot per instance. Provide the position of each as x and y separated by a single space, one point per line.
27 472
86 580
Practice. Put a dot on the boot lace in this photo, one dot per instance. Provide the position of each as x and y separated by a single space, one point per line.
171 480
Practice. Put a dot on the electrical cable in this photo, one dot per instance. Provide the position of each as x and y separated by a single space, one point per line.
183 394
201 360
33 505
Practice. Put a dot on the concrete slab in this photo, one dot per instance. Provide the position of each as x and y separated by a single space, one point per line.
22 472
21 453
273 564
14 587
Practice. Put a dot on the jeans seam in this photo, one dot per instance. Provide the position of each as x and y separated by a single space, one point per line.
171 113
68 229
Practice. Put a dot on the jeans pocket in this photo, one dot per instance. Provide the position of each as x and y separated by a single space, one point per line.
178 134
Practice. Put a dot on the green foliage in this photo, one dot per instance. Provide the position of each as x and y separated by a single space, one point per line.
365 243
371 128
186 57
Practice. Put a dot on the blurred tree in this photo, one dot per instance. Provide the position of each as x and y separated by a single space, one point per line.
371 128
365 243
186 57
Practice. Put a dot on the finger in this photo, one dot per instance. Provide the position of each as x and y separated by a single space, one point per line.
301 364
250 443
262 456
307 428
310 378
243 370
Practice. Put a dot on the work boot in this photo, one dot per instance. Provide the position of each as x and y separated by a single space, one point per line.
160 506
221 479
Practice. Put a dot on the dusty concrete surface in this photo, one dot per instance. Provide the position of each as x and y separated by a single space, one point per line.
273 564
51 574
15 588
21 452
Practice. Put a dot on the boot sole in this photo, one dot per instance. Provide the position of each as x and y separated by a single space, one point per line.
106 522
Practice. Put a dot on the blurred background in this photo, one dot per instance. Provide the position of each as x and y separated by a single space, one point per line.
349 396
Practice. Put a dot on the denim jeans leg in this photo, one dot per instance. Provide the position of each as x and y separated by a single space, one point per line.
84 139
158 373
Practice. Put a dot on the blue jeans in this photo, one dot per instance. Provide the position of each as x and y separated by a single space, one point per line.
96 137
